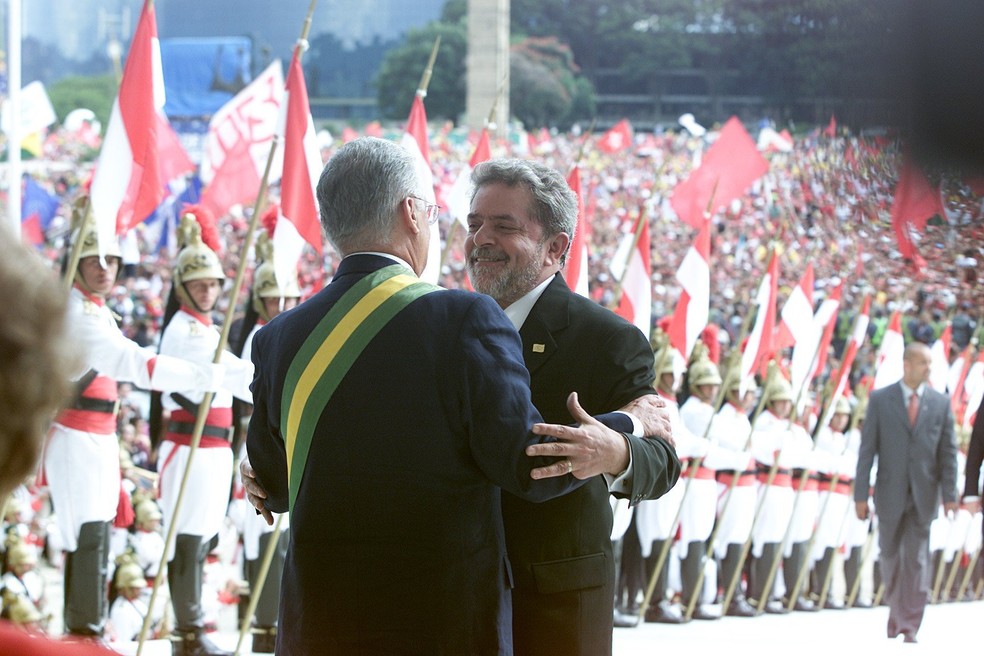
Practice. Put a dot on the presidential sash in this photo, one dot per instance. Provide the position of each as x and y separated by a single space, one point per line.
329 351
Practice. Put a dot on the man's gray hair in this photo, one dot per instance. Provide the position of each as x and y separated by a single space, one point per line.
554 203
359 191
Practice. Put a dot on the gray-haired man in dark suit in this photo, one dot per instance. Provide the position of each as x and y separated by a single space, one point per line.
909 427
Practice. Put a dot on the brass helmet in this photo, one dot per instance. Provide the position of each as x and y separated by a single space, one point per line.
90 239
702 371
129 575
777 389
265 282
198 258
19 552
20 609
146 511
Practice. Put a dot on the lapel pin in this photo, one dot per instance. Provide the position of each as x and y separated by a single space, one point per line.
539 348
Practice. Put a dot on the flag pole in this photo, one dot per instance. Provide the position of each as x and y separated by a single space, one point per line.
75 251
14 102
429 70
206 403
254 594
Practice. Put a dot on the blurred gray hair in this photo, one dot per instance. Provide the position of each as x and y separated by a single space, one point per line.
359 190
554 204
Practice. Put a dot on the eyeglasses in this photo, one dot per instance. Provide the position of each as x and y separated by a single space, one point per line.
431 209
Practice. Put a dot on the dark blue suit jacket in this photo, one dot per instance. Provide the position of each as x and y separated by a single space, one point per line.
396 542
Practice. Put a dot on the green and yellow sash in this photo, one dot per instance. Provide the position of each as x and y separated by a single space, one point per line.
329 351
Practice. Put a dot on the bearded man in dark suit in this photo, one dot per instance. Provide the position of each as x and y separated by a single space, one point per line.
520 225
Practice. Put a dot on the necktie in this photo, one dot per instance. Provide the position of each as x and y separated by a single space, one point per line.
913 408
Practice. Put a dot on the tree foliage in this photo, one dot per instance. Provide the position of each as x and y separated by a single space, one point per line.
404 65
95 93
545 89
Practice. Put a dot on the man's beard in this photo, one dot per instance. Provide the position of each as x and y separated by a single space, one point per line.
513 283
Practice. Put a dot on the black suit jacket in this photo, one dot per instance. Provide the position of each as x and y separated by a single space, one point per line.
396 538
561 550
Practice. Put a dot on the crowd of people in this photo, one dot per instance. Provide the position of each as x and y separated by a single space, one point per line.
826 201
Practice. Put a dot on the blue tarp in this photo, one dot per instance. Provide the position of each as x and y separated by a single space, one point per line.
202 74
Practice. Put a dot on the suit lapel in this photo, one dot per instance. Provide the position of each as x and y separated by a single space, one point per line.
550 314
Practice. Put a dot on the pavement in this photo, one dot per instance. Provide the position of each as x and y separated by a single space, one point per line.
947 628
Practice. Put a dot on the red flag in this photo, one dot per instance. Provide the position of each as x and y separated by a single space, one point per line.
915 202
760 347
617 138
302 160
348 134
128 183
238 144
729 167
416 142
831 129
576 272
174 160
693 308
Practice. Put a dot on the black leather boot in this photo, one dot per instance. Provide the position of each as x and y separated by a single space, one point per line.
790 571
660 609
85 581
689 573
184 576
738 606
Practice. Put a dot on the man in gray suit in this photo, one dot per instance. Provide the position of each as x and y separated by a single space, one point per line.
909 427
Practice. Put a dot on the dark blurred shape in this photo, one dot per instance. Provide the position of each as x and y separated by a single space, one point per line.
940 82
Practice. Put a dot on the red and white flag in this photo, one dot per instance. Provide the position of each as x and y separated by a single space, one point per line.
939 360
617 138
828 332
692 310
847 361
415 140
302 168
974 388
576 269
760 347
809 353
636 303
238 144
796 318
459 197
888 361
128 183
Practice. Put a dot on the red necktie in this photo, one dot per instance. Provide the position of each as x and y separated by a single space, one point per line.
913 408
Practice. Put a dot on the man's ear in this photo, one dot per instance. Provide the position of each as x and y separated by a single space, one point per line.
408 216
556 248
